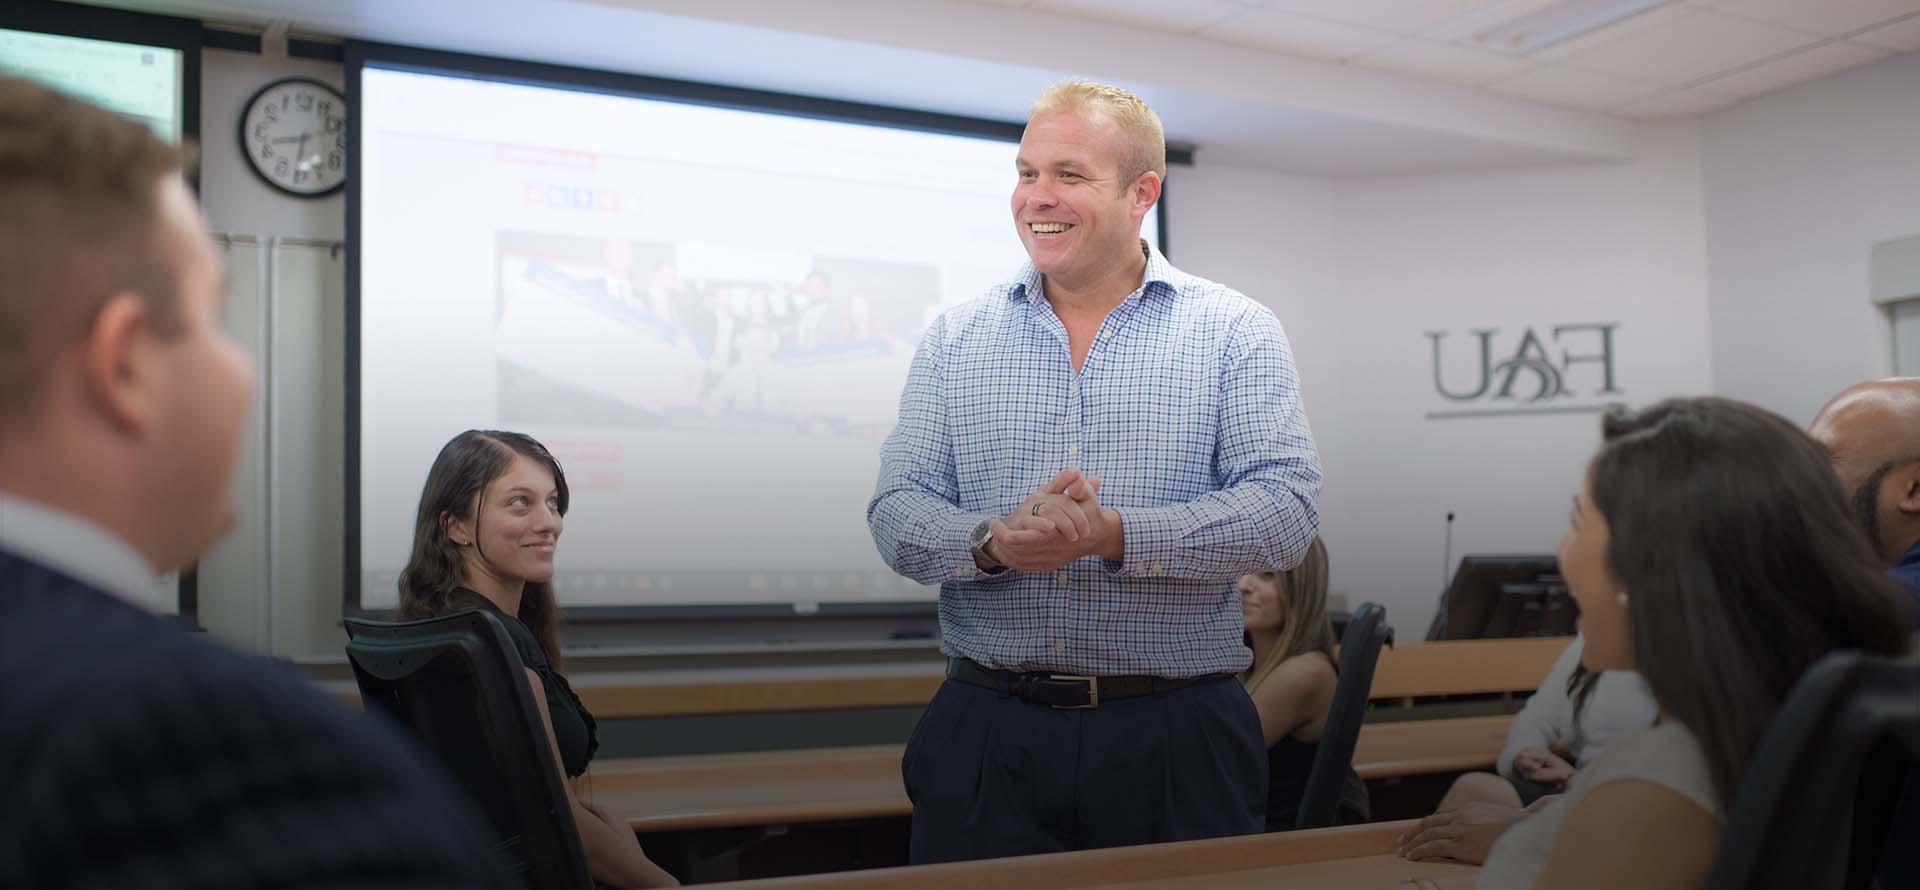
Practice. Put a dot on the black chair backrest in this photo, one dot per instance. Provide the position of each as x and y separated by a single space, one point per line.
457 684
1813 810
1332 776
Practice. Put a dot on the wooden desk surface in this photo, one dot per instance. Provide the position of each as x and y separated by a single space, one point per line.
1419 747
1465 667
640 694
834 784
1358 856
1455 667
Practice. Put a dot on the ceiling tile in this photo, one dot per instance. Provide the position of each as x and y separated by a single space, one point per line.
1443 61
1830 18
1617 32
1184 16
1809 64
1463 27
1396 16
1572 87
1691 47
1299 35
1669 104
1903 35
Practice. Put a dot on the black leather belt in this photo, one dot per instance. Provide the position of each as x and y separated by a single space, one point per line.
1067 690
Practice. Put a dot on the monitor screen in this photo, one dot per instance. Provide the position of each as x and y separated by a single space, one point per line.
1505 596
141 81
706 310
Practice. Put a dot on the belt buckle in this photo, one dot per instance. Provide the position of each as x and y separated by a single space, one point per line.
1093 691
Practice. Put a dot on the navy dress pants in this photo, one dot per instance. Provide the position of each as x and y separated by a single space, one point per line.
992 775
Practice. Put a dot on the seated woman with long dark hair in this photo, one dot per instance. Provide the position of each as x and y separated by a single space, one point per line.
489 521
1712 551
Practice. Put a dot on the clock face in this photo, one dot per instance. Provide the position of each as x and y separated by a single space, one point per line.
294 131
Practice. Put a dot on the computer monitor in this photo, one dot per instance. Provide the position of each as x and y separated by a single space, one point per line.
1505 596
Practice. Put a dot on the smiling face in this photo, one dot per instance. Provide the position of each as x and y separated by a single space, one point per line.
1075 211
1263 605
516 526
1591 581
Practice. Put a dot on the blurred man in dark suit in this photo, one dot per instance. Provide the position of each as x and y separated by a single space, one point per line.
1871 430
133 754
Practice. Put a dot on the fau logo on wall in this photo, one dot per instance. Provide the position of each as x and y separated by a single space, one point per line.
1562 369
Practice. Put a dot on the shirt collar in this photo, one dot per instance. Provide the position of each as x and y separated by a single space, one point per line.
78 548
1911 557
479 600
1158 269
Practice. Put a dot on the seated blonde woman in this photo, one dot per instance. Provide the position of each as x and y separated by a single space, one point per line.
1291 681
1710 550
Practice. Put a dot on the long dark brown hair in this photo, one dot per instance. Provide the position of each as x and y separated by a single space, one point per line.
431 583
1742 565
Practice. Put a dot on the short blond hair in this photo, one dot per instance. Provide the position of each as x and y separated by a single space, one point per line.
1145 142
80 185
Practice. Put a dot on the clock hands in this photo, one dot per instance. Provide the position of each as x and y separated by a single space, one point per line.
306 162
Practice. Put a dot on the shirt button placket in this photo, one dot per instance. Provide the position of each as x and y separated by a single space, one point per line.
1063 600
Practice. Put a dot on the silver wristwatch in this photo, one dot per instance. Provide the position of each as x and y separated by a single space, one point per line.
983 533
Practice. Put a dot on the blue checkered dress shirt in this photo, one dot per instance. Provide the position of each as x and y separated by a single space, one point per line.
1188 409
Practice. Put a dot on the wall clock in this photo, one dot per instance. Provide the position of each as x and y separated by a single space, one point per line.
294 134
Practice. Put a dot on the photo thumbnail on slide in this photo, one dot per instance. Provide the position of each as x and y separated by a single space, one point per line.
603 331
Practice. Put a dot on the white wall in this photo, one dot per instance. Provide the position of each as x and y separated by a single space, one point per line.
274 585
1799 186
1359 271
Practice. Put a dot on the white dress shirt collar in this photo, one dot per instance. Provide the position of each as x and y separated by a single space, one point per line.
77 547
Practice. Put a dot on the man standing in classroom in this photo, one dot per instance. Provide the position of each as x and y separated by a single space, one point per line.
1086 458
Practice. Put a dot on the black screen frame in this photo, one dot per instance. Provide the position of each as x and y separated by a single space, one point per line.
360 54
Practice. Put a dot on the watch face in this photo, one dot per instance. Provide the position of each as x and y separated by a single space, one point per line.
294 132
980 534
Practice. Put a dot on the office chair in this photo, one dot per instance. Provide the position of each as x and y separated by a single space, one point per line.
455 682
1332 775
1814 808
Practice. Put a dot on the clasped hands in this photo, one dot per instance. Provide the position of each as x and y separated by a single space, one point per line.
1551 766
1058 523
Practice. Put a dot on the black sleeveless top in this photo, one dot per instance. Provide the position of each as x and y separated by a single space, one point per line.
574 729
1288 765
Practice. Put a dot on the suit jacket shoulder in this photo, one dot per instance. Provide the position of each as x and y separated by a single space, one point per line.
134 754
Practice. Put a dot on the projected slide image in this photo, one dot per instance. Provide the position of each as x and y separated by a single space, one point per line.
706 312
597 331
